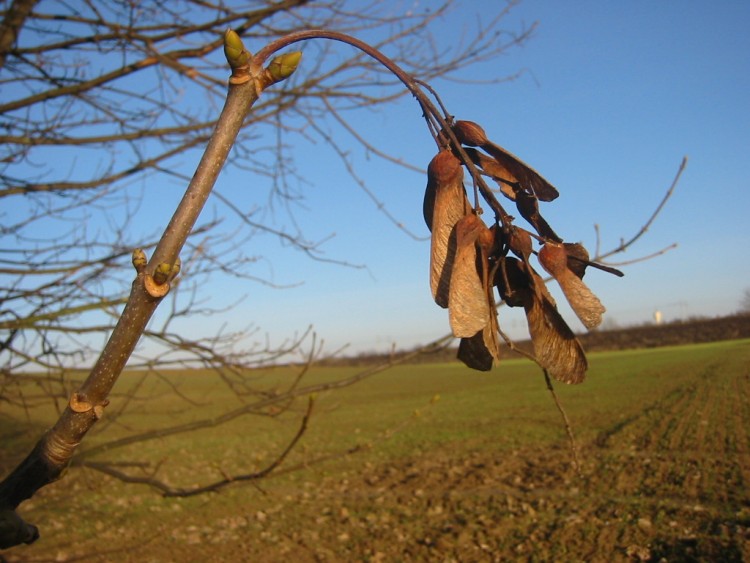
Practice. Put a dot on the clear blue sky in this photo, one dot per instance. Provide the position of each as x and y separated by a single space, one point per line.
614 94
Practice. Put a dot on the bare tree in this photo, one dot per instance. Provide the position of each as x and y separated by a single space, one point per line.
56 281
105 105
104 109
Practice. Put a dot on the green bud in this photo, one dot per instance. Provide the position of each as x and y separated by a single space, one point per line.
139 259
161 275
283 66
234 50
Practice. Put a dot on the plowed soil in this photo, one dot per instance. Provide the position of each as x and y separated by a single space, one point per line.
667 479
669 484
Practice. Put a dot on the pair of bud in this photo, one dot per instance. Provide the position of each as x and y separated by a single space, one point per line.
238 57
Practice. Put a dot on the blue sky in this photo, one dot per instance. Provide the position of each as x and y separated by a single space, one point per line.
614 94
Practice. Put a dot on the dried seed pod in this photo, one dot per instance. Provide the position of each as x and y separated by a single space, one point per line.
474 353
556 348
467 302
586 305
444 170
491 332
499 242
481 350
519 241
445 203
528 207
470 134
578 258
528 178
506 181
486 239
517 283
512 282
554 259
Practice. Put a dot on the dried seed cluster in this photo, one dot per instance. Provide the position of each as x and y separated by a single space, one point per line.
469 260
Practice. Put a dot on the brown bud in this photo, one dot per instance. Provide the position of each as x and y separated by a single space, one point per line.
470 134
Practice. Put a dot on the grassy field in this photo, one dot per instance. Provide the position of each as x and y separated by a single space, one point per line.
485 473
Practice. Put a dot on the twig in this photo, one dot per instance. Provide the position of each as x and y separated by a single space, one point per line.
647 225
169 491
566 421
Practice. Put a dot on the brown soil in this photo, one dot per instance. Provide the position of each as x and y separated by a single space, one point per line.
668 483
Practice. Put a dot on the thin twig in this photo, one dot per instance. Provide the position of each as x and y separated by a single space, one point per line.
566 421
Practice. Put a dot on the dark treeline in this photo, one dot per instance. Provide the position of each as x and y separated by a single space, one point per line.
691 331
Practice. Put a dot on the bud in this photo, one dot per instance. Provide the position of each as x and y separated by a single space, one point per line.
162 273
176 267
283 66
139 259
234 50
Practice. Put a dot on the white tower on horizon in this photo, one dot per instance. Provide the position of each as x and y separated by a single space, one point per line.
658 317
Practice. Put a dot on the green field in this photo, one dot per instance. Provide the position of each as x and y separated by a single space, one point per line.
484 473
